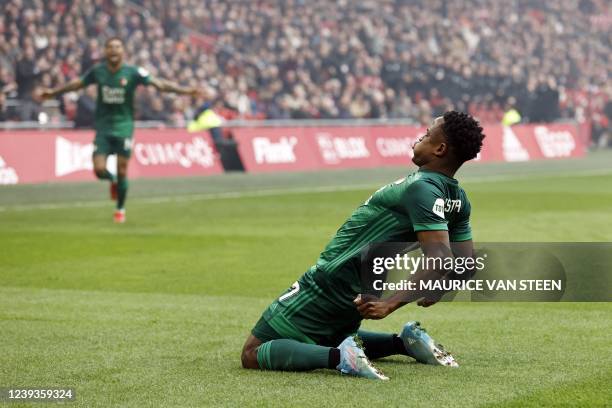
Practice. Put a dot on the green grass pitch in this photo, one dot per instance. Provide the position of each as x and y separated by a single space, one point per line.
154 312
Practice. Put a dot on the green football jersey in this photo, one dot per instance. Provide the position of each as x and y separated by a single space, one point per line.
423 201
319 307
115 103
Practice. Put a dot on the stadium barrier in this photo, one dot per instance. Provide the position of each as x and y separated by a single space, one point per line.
65 155
35 156
308 148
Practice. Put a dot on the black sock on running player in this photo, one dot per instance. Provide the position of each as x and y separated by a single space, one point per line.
122 188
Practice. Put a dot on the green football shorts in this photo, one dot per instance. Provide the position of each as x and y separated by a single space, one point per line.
107 145
307 314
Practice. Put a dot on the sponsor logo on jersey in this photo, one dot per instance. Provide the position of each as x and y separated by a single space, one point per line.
513 150
452 205
394 147
335 149
554 144
71 157
8 175
197 152
442 206
123 81
438 207
270 152
112 95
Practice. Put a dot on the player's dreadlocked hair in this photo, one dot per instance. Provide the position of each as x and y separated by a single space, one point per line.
464 135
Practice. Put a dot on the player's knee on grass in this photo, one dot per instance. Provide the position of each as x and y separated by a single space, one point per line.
249 353
249 358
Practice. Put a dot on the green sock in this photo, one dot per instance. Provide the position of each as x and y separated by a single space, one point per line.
106 175
122 187
291 355
379 345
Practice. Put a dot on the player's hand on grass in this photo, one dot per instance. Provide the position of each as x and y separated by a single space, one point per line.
371 307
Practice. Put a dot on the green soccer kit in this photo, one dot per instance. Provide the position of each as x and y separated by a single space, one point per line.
319 307
114 117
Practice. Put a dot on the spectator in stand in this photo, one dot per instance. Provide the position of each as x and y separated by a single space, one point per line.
607 137
177 117
320 59
27 73
3 113
154 111
7 84
91 55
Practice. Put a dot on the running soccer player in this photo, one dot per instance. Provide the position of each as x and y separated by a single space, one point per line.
313 324
114 117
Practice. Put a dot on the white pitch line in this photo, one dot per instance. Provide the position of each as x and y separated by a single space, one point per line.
280 191
190 197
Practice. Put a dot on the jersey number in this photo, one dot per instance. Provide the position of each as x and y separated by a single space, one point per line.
294 289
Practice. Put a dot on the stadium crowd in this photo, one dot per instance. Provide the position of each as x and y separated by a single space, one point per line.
284 59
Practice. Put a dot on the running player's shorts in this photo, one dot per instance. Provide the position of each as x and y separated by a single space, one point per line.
306 313
106 145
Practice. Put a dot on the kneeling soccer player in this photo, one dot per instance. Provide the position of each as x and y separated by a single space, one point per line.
315 324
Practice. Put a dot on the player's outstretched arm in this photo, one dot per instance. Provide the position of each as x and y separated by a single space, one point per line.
163 85
73 85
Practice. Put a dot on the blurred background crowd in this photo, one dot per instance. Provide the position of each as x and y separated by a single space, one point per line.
284 59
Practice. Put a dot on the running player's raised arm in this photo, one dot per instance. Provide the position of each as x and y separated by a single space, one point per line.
163 85
81 82
73 85
143 77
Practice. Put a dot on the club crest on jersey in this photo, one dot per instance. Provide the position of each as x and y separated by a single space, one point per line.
123 81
